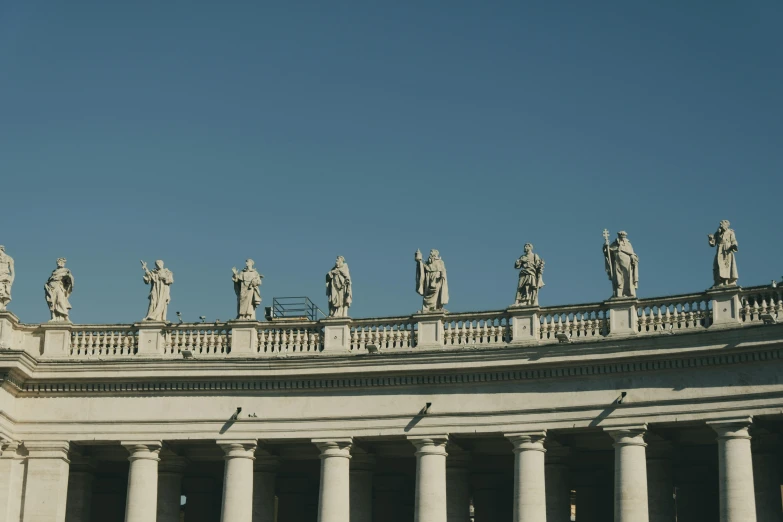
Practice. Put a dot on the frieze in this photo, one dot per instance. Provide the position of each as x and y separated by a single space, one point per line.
597 369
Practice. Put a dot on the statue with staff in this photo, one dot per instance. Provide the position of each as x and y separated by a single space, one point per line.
246 285
431 282
622 265
160 280
724 268
531 271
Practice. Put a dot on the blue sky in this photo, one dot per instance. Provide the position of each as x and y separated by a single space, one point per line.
203 133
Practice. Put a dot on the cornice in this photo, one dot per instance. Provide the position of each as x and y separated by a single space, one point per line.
522 371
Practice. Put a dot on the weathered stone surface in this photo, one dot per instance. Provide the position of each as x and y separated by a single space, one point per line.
58 289
246 286
160 280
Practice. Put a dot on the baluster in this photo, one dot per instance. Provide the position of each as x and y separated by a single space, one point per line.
667 317
755 309
779 308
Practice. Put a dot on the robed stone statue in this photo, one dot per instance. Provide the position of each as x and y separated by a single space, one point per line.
724 268
431 282
6 277
338 288
622 265
160 280
246 285
58 289
531 271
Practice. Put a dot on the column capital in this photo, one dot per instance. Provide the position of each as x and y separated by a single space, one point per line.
238 449
48 449
429 444
631 435
732 427
337 447
11 450
527 440
143 450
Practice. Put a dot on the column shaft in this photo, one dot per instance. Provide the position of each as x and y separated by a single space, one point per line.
529 479
334 489
12 468
430 498
630 475
46 484
237 503
735 472
142 499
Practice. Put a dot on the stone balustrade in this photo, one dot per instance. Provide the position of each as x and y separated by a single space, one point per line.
514 326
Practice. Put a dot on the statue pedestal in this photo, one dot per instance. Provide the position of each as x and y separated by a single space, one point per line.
244 338
151 339
337 334
622 316
57 339
525 324
725 306
431 330
8 322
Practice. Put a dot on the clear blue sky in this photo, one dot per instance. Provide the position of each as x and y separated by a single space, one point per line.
203 133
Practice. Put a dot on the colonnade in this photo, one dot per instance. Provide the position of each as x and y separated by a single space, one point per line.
39 491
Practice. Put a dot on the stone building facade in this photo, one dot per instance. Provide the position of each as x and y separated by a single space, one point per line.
632 410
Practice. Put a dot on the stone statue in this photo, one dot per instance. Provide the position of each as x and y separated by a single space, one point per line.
7 275
531 271
431 282
246 285
58 289
622 265
338 289
724 268
160 280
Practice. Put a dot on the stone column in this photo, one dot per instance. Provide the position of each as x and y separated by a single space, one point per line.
170 471
264 482
630 474
735 471
558 490
46 484
141 504
79 500
529 479
660 481
238 480
457 484
12 467
362 467
334 490
430 478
